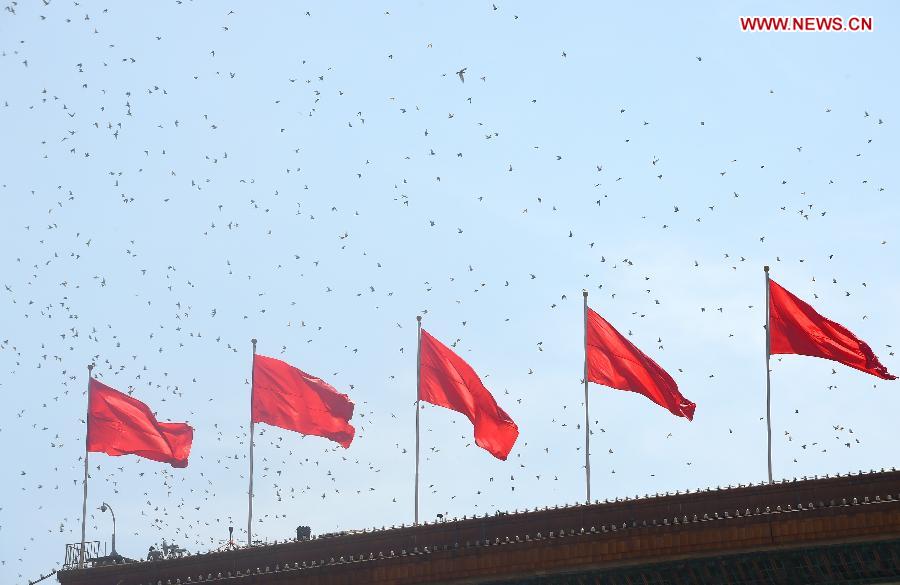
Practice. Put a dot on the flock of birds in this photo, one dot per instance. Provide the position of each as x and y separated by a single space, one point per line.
165 206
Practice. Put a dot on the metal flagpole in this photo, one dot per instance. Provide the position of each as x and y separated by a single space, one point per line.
768 376
250 491
87 418
418 369
587 418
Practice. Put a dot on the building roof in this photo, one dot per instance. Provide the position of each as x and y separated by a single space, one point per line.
797 514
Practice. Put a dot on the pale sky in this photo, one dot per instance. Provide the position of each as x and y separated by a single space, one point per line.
180 177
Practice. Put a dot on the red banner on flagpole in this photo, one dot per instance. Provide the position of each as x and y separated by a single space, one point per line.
796 328
615 362
121 425
289 398
447 380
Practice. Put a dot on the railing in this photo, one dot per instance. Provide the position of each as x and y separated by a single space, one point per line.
92 550
42 577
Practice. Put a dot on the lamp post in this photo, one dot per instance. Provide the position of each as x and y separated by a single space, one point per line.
103 508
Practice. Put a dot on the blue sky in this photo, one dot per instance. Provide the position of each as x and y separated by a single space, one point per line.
178 178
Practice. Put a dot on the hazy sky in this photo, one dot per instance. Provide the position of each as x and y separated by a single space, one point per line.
179 177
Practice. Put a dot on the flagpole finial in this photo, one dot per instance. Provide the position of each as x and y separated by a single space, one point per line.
253 341
584 292
419 318
90 368
766 268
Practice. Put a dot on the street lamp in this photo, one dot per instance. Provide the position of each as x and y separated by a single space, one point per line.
103 508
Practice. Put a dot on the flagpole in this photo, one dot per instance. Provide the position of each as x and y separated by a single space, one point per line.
768 376
587 418
418 369
250 491
87 418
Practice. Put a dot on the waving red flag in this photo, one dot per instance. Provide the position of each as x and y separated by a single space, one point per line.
287 397
446 380
796 328
121 425
615 362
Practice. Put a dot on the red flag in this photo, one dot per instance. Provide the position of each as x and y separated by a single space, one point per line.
287 397
121 425
446 380
615 362
796 328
